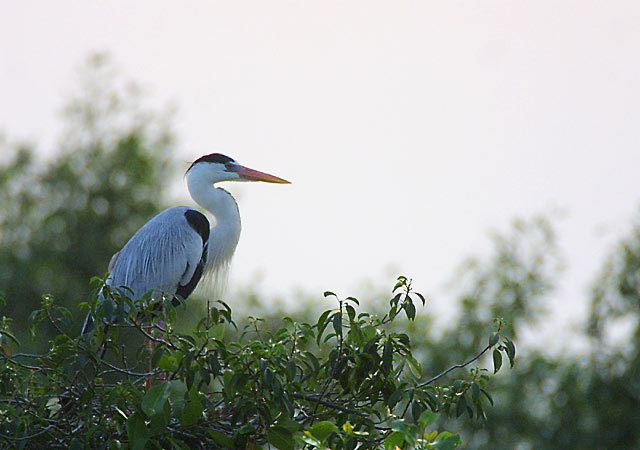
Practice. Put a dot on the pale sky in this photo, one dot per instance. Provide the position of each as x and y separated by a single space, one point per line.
408 129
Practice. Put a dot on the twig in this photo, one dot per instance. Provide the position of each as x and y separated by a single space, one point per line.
27 355
328 404
19 364
153 338
53 322
456 366
128 372
24 438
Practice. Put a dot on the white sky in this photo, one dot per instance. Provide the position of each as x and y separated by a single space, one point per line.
409 129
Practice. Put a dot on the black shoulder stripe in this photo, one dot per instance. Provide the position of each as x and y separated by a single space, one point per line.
186 290
199 223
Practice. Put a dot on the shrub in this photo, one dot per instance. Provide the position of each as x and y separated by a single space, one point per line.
346 381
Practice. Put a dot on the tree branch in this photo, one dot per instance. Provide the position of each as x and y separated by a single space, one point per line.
328 404
23 438
456 366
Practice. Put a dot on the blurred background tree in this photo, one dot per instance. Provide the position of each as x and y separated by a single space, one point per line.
62 219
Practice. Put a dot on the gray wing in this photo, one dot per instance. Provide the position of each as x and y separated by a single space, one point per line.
166 256
163 255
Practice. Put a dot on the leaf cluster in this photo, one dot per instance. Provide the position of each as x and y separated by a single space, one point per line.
346 381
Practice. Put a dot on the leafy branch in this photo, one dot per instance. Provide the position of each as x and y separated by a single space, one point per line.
349 379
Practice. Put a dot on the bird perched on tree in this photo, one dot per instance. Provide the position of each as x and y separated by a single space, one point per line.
171 253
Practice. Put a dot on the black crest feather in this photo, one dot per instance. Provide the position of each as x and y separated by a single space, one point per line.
212 158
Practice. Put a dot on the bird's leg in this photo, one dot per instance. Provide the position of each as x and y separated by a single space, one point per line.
149 345
162 376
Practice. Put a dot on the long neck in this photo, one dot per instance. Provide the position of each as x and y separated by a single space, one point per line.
226 231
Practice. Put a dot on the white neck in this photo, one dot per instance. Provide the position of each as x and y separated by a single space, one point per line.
226 231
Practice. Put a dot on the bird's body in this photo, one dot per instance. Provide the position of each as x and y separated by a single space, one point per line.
172 252
168 254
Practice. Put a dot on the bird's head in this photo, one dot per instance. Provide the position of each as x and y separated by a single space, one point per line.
218 167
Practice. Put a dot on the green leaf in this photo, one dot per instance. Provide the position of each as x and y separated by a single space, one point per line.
511 351
159 422
157 354
409 430
395 439
221 438
280 438
493 339
369 332
167 362
387 357
192 412
329 293
416 410
289 424
427 418
431 436
402 281
414 366
497 360
322 430
337 323
475 389
395 397
322 324
323 317
409 309
461 406
351 312
486 394
314 361
446 441
137 432
353 299
153 401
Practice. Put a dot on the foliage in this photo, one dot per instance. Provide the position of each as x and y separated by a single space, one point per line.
61 222
561 399
218 388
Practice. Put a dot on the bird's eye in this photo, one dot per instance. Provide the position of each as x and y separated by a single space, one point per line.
229 167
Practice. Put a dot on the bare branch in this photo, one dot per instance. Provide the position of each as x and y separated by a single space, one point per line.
456 366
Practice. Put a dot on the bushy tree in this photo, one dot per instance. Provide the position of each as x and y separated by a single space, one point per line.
347 380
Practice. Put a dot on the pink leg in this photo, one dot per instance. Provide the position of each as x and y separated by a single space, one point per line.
148 343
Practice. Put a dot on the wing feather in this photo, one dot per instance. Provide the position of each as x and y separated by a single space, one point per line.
162 255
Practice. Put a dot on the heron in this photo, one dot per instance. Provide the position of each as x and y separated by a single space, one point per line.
172 252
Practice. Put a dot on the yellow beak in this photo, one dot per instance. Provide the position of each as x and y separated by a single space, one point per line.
253 175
